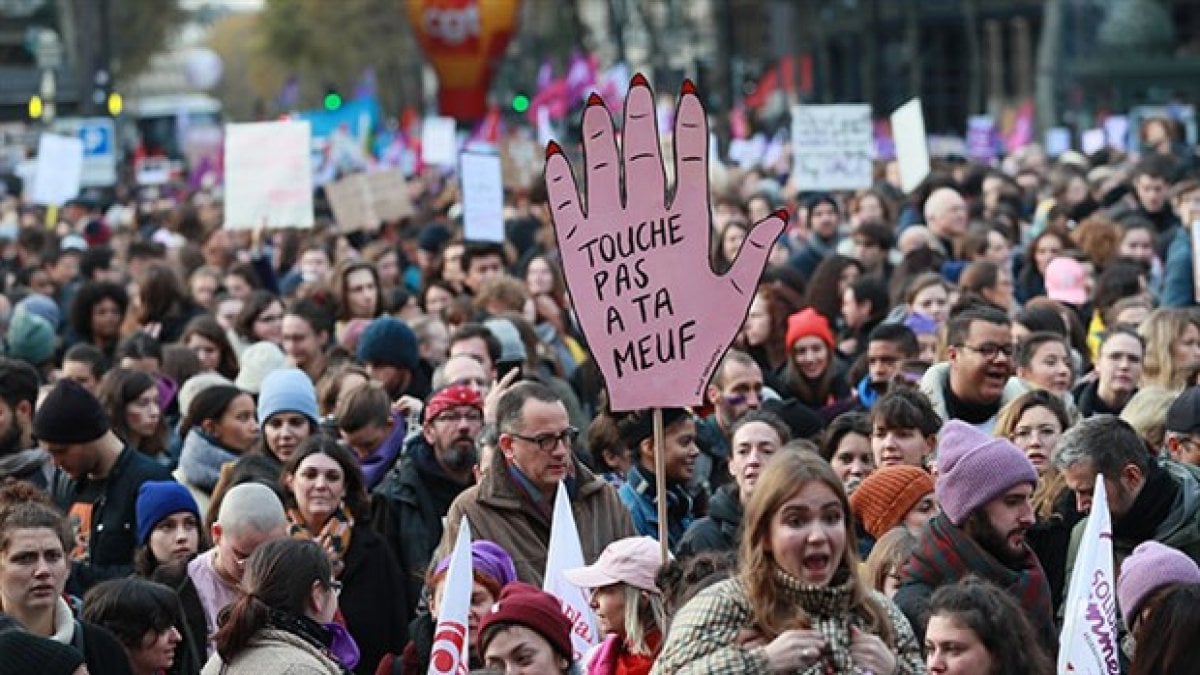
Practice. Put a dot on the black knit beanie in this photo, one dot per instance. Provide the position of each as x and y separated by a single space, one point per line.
23 653
69 414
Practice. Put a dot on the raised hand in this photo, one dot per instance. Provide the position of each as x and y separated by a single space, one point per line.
636 260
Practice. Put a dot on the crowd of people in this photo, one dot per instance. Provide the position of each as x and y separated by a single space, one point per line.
246 451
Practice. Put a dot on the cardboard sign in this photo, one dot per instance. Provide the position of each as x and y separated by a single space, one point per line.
439 144
482 196
520 162
656 317
268 175
364 200
912 151
59 170
833 146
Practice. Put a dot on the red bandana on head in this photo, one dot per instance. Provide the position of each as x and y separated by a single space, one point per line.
452 397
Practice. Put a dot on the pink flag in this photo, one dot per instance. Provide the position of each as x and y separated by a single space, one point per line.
450 639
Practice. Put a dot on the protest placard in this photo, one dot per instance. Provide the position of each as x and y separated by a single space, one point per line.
482 196
833 146
656 317
1116 130
439 141
1058 141
521 162
912 151
364 200
981 138
268 175
59 170
1093 140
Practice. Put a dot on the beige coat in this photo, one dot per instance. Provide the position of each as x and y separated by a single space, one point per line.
275 652
499 512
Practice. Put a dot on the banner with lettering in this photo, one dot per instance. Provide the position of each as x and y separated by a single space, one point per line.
268 175
450 638
1088 643
566 553
656 317
833 146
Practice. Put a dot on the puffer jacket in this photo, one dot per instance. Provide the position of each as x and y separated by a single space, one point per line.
498 510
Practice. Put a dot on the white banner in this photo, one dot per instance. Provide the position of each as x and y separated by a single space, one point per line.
1088 643
268 175
482 196
59 170
833 146
912 147
450 638
566 553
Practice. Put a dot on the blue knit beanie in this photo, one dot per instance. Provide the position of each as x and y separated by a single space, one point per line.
287 390
43 306
388 341
158 499
30 337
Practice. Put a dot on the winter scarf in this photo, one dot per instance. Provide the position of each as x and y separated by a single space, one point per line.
23 464
334 537
201 460
946 554
376 465
331 640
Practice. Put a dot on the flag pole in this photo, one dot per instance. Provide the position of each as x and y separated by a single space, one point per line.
660 479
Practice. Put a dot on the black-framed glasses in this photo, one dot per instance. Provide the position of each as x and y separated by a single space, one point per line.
990 350
548 442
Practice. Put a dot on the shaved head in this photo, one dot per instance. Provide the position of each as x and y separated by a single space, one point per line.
251 506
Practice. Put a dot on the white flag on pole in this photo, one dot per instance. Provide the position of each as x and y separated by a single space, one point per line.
1088 643
565 554
450 639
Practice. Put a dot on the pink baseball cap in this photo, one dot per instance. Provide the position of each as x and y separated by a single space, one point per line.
633 560
1066 281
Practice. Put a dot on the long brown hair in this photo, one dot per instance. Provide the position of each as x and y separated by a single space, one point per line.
786 474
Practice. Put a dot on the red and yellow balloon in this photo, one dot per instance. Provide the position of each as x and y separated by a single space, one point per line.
464 39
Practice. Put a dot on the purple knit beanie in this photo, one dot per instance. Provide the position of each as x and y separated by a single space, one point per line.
488 558
974 469
1150 567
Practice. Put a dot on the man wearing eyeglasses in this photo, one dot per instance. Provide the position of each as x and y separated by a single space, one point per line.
513 503
978 379
409 505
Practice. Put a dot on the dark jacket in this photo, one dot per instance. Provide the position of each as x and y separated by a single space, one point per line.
101 651
1088 401
712 465
374 598
191 653
113 535
719 530
1178 285
407 510
1050 538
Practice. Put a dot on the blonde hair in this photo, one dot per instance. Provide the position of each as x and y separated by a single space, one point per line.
1146 412
644 611
892 550
784 476
1161 330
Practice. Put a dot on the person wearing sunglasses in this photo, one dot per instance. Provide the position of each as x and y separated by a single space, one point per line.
513 504
978 379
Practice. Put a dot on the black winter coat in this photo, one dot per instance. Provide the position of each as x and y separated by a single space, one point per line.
718 531
407 509
374 598
113 536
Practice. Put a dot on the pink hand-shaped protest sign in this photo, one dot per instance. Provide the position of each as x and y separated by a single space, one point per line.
636 260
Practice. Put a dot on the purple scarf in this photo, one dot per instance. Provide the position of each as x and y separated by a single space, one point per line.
376 465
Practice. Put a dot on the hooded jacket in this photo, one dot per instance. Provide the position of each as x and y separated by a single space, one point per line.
500 511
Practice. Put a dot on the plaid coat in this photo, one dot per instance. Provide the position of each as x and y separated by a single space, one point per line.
702 634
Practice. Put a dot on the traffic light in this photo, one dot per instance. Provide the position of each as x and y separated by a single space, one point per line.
333 100
520 103
116 103
35 107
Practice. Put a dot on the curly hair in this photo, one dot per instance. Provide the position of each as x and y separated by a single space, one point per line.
89 295
997 621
